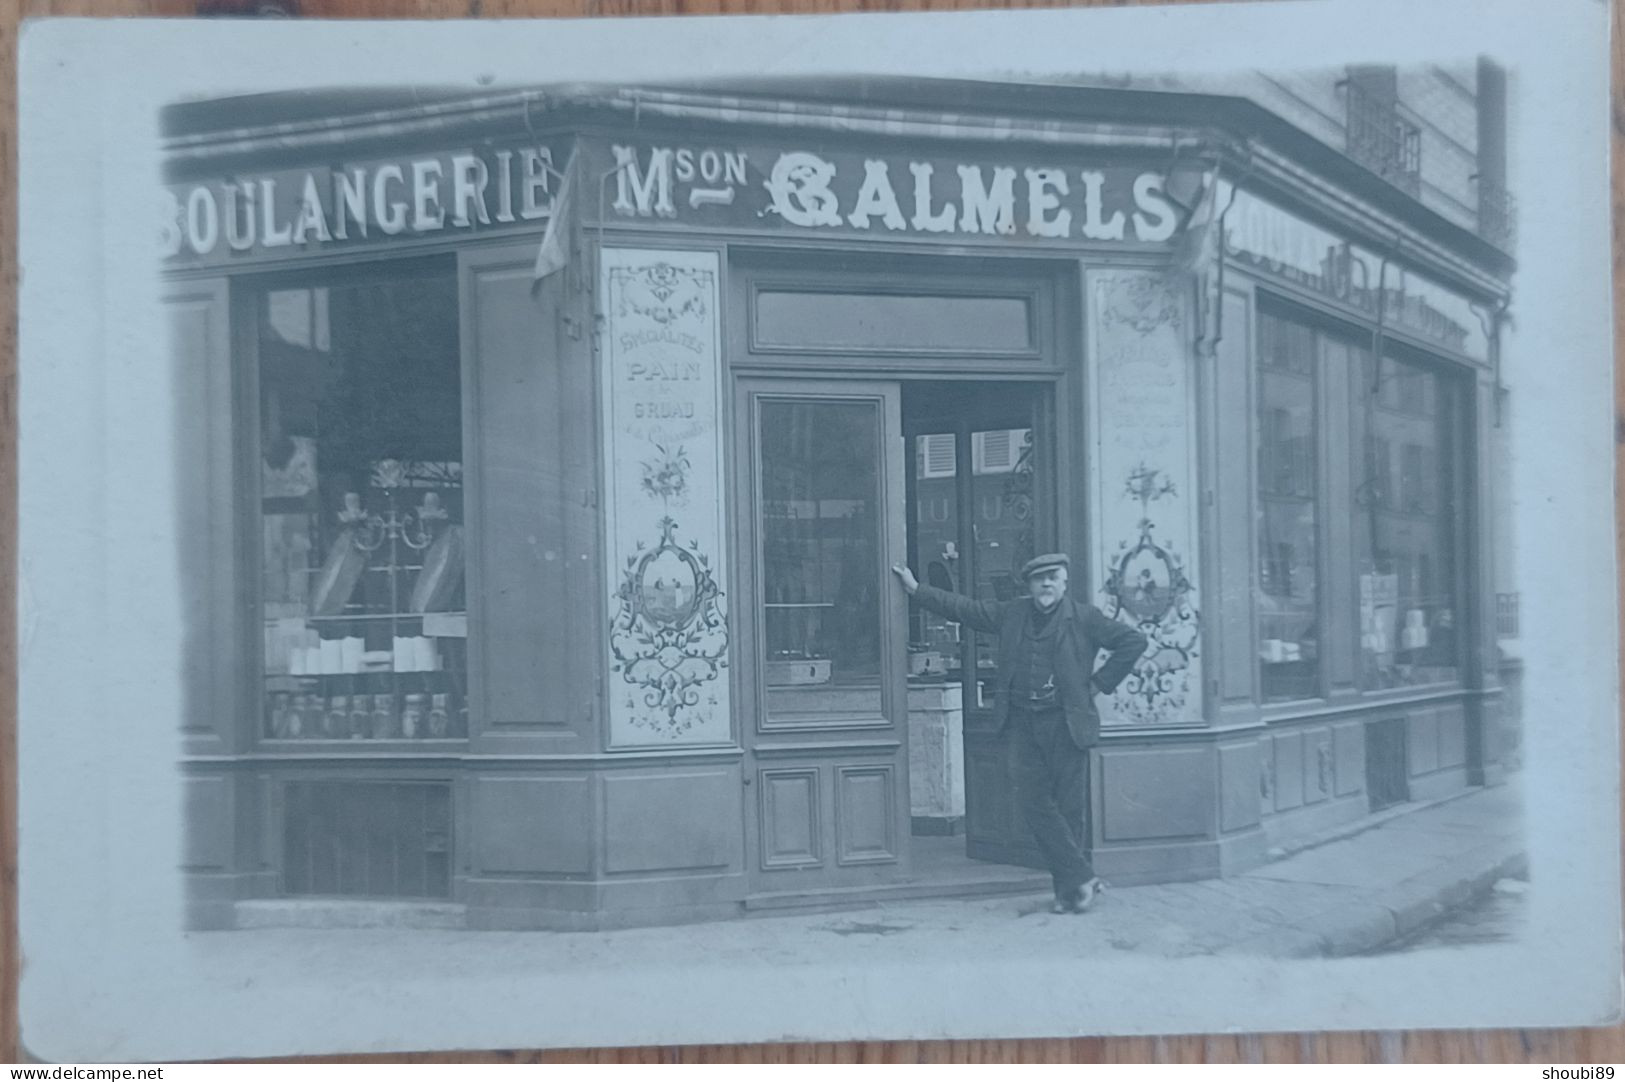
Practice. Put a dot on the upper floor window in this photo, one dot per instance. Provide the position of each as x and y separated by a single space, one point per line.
1380 136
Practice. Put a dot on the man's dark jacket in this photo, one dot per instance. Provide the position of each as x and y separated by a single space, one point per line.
1083 632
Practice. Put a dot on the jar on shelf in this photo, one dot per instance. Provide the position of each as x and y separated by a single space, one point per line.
360 716
383 716
414 715
338 716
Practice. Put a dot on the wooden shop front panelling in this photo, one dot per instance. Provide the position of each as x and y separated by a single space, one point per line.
532 524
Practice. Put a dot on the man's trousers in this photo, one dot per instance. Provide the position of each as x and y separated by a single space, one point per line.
1053 775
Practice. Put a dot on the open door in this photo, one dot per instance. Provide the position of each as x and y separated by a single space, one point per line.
822 635
980 497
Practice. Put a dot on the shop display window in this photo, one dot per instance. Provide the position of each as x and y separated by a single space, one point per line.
361 509
1288 512
1404 536
1400 423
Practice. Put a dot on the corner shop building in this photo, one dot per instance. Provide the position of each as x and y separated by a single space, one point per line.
554 447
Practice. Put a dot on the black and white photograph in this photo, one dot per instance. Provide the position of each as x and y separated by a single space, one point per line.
786 528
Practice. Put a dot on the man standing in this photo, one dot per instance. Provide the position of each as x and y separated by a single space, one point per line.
1047 646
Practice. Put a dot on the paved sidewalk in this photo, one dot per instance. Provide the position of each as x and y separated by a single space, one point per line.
1346 896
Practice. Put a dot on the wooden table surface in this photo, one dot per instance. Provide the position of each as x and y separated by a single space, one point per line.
1422 1046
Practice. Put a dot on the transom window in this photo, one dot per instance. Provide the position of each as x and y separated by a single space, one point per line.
798 319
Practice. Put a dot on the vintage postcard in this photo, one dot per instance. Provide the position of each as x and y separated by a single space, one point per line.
991 524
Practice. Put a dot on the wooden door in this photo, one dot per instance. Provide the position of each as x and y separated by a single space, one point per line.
822 634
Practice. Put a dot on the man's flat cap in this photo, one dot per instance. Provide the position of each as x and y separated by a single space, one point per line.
1044 563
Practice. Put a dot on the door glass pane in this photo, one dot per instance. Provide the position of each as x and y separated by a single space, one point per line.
934 641
361 509
1002 522
821 557
986 563
1404 530
1287 589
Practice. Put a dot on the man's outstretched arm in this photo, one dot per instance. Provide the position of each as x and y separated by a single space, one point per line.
981 615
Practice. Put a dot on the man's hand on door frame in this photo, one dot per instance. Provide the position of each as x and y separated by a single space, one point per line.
904 575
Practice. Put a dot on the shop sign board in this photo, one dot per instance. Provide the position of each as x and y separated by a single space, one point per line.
1279 244
274 214
663 499
249 217
796 189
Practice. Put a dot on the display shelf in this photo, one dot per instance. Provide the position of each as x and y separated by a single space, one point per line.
349 617
367 706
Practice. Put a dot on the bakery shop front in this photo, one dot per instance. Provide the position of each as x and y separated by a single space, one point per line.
550 453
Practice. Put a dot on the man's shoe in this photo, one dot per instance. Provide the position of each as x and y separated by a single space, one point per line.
1061 905
1087 894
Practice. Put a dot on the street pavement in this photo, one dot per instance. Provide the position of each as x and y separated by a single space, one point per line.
925 969
1350 895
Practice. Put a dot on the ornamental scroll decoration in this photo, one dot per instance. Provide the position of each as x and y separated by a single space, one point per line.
1148 588
662 292
1144 303
670 635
